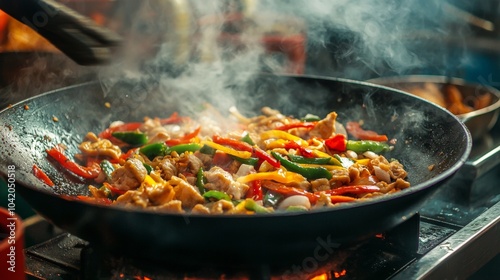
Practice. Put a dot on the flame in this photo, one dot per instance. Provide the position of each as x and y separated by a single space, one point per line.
323 276
340 274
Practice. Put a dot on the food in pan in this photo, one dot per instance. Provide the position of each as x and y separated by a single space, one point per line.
260 164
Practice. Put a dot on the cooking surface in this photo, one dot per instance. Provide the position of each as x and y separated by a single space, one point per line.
460 223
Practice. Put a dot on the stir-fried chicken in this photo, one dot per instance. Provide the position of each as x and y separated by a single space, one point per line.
221 180
94 146
129 176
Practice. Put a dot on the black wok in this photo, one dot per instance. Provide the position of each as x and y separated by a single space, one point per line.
427 135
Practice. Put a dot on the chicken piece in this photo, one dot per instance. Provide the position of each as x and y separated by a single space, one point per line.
168 168
221 180
320 185
147 196
325 128
174 206
397 170
221 206
186 193
129 176
155 131
94 146
200 209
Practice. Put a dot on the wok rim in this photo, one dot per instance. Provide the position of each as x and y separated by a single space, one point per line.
447 174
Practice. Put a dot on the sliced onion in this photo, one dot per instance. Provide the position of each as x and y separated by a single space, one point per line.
370 155
351 154
295 200
381 174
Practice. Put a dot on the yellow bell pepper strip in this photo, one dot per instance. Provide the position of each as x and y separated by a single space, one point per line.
354 128
251 205
200 181
42 175
217 195
363 161
310 173
133 138
278 134
289 191
307 125
227 150
243 146
321 154
280 175
89 172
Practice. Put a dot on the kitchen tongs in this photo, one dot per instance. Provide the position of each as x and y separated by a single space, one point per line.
75 35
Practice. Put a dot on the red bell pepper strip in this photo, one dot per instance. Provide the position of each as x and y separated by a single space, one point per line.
184 139
174 118
360 189
89 172
113 189
255 190
243 146
305 152
355 130
337 143
341 198
308 125
41 175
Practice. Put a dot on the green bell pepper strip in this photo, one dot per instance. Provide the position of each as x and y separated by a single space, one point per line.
182 148
310 118
107 168
272 199
251 205
218 195
207 150
345 162
200 181
247 139
301 159
310 173
249 161
148 167
133 138
367 145
154 150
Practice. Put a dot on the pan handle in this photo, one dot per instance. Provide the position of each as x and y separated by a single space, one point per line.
75 35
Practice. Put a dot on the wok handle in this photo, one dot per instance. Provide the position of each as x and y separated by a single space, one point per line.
75 35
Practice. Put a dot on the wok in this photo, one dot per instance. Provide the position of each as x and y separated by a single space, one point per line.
427 135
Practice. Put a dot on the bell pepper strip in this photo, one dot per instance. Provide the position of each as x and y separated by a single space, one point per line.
207 150
227 150
359 189
182 148
217 195
263 155
173 118
341 198
200 181
107 133
310 118
367 145
251 205
345 162
184 139
328 167
148 167
236 144
308 160
280 175
247 139
308 125
354 128
305 152
249 161
133 138
271 199
310 173
321 154
89 172
113 189
39 174
279 134
255 190
340 144
107 168
363 161
289 191
153 150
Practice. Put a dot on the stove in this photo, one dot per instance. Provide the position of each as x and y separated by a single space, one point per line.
454 236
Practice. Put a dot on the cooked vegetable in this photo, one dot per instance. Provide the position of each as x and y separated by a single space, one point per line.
308 172
132 138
